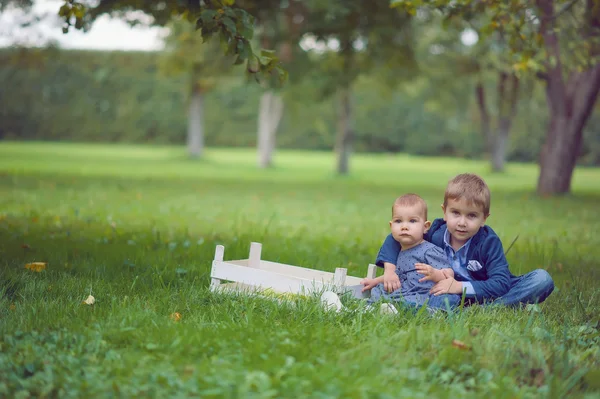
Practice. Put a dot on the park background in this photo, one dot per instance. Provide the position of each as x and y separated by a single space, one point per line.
122 170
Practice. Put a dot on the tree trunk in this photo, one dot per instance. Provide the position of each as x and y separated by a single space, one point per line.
500 145
565 131
269 116
508 95
343 144
570 102
195 132
486 129
559 156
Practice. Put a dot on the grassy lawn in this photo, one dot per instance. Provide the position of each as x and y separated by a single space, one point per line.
137 227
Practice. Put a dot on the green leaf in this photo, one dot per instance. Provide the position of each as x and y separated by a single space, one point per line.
264 60
230 25
244 52
245 24
207 16
282 74
253 66
268 53
64 10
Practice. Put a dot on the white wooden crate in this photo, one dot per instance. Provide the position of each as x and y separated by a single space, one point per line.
255 274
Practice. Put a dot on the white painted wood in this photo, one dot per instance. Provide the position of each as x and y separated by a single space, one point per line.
255 274
254 258
219 253
305 273
352 280
296 271
264 279
239 262
372 271
339 278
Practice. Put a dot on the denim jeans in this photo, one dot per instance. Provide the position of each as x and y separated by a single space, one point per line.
533 287
378 293
439 302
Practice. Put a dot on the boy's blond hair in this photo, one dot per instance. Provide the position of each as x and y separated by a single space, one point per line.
411 200
470 187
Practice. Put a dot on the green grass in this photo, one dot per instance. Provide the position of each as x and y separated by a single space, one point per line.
137 227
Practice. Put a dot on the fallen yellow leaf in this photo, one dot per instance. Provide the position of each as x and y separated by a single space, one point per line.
12 306
90 300
460 345
36 266
176 316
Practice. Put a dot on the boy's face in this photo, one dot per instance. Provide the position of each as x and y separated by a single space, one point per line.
463 220
408 225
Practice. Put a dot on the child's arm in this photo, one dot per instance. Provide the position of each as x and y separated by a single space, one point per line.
388 253
443 275
448 273
386 258
432 274
371 282
390 280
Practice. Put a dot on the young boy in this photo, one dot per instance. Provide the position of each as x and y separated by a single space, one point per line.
474 251
408 225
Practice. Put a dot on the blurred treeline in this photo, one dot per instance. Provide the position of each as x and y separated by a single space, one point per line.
54 94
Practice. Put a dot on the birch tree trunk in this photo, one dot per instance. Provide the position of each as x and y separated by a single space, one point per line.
269 117
344 138
508 94
195 131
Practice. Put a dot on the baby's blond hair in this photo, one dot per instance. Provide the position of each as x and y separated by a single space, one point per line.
411 200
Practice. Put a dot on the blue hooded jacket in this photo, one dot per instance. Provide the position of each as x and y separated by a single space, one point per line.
490 281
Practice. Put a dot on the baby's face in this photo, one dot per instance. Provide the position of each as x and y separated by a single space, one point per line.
408 225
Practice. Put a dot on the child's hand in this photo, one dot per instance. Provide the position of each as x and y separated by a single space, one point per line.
368 283
447 286
429 272
391 281
448 273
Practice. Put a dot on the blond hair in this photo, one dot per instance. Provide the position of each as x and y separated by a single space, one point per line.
411 200
470 187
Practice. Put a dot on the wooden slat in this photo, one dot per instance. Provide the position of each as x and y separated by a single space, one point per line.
219 253
254 256
264 278
296 271
372 271
339 278
239 262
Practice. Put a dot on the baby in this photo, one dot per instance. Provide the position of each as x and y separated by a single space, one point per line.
420 264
